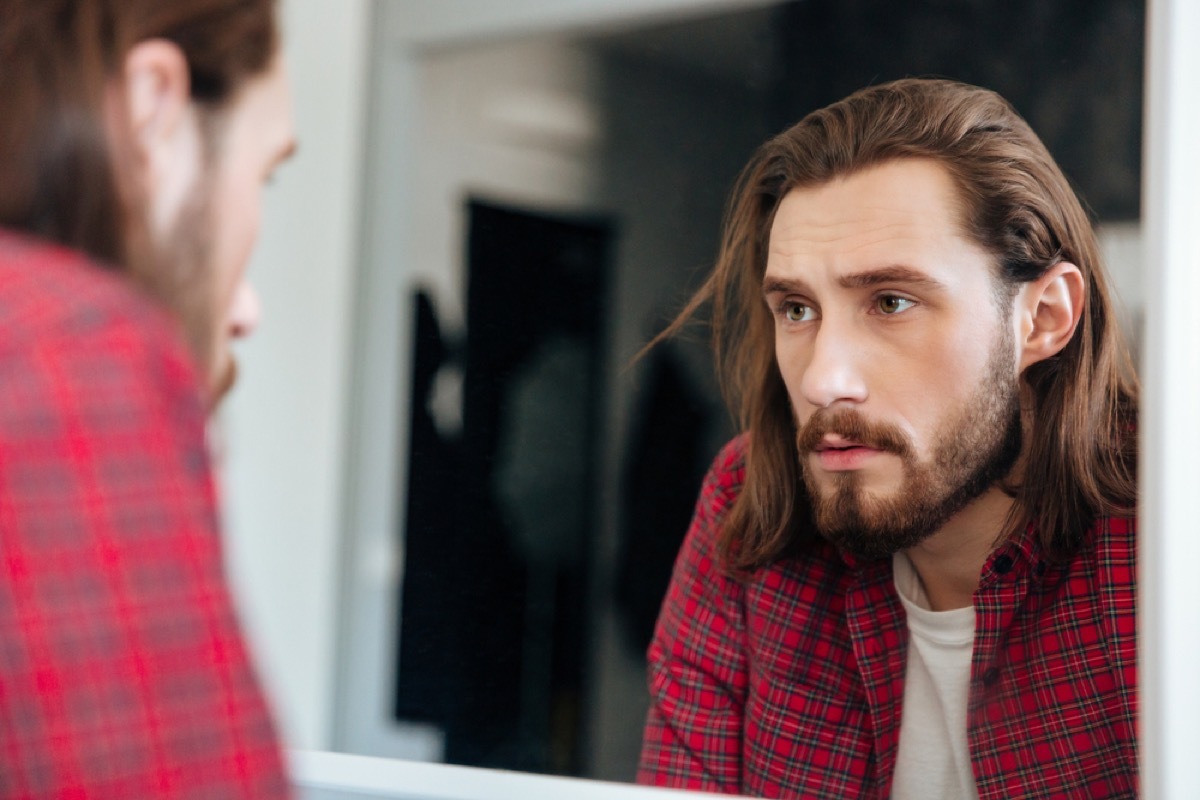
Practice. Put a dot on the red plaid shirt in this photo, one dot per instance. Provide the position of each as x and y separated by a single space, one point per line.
790 685
122 671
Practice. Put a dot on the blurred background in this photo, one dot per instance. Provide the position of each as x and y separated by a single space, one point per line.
453 496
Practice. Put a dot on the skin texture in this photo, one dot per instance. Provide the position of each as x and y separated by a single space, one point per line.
902 367
203 178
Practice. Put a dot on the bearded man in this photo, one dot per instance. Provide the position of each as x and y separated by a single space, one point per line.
913 575
135 138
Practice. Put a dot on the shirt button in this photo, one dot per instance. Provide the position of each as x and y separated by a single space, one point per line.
1040 569
1003 564
990 676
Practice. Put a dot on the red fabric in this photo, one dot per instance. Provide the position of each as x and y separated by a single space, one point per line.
122 670
790 684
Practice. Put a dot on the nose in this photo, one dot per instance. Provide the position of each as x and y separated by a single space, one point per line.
835 370
244 311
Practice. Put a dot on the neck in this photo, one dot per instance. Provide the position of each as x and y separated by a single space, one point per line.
949 562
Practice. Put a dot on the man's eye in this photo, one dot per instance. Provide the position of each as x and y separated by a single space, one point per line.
892 304
797 312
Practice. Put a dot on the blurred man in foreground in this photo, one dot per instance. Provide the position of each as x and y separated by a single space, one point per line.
913 575
135 137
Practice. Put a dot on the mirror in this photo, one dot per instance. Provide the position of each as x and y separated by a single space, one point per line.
543 185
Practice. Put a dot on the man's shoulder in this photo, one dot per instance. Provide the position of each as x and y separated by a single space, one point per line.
47 290
72 331
722 484
1114 547
728 469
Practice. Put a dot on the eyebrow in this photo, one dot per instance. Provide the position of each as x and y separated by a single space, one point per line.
892 274
773 285
859 280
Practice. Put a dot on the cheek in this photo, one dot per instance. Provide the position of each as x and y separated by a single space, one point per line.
932 384
238 217
791 359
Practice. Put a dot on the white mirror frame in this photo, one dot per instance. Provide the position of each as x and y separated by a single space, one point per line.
337 776
1169 543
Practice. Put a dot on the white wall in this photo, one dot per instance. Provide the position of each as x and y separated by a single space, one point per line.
422 23
284 426
1122 247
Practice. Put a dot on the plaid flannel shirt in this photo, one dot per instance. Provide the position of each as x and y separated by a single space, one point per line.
123 674
790 684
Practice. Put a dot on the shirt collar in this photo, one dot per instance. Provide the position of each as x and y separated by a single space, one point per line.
1019 555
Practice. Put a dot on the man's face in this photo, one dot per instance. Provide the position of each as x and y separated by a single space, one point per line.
900 368
212 236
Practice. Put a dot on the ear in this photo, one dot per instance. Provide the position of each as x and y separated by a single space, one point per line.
157 92
1048 311
160 123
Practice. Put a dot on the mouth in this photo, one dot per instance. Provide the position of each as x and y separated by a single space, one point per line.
835 443
836 453
844 439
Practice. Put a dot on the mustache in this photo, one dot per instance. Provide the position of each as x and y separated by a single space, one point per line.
850 424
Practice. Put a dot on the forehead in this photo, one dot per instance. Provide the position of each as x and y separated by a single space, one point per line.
901 211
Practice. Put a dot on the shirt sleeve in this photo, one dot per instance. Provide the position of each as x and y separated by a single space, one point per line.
123 673
697 659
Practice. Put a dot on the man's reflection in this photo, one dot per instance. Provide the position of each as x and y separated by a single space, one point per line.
913 575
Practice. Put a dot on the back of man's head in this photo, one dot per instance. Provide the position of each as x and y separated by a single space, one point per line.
1016 205
74 170
62 59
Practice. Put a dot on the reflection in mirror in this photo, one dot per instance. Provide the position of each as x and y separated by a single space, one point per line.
569 191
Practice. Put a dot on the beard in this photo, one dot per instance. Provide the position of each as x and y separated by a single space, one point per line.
977 447
184 279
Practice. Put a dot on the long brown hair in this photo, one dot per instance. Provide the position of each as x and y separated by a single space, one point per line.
60 164
1081 451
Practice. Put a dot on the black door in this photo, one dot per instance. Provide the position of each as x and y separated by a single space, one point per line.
500 521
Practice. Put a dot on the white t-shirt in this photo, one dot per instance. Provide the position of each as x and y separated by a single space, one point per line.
934 761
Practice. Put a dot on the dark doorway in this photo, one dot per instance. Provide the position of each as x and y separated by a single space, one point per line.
500 518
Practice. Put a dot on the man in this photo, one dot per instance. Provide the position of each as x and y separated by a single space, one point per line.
135 136
913 575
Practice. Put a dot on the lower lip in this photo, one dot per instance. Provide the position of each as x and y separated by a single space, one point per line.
848 459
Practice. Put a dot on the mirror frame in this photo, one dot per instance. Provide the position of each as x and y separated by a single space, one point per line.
315 773
1170 429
